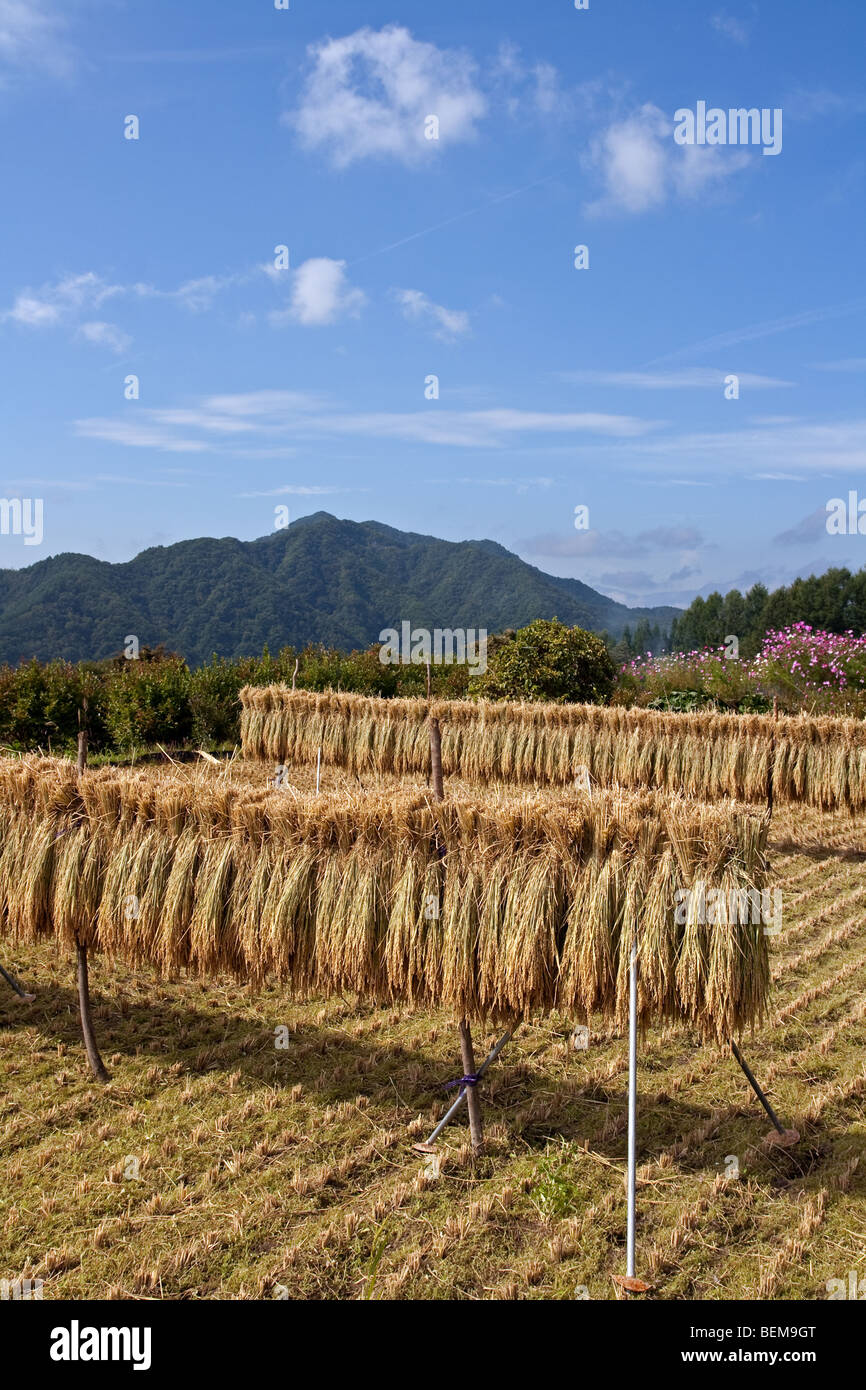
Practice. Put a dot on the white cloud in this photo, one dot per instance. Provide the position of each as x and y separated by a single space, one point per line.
108 335
641 167
369 94
633 160
321 294
448 324
32 37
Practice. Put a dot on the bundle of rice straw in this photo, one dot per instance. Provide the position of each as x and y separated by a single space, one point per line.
499 907
819 761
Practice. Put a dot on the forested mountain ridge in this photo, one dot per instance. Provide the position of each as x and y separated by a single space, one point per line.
321 580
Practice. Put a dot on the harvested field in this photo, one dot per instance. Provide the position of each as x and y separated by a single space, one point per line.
818 761
261 1169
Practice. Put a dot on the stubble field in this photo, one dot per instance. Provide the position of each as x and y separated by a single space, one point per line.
219 1165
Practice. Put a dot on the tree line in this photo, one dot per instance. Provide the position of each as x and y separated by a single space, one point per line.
835 601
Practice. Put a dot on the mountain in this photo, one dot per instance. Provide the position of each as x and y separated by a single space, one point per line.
319 580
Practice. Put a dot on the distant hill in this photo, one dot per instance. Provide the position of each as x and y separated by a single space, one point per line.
319 580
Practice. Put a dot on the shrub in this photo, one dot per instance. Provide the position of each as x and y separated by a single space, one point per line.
147 703
548 661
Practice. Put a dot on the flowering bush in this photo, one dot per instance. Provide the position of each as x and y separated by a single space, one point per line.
814 670
805 668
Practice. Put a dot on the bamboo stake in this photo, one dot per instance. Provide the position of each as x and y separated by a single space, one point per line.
97 1065
632 1108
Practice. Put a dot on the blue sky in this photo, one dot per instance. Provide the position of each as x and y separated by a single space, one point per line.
411 257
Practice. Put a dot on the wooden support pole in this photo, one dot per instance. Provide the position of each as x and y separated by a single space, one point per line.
473 1104
82 737
436 759
772 770
97 1066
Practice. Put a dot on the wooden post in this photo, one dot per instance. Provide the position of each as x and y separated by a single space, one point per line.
473 1104
436 759
772 768
295 672
435 748
82 736
97 1065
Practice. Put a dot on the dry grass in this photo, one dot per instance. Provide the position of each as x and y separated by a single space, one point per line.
497 907
819 761
266 1170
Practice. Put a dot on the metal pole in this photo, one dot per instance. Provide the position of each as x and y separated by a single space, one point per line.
632 1107
464 1090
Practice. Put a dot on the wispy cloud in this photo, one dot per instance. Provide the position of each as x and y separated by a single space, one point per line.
809 531
300 490
730 27
613 543
802 448
447 324
60 300
767 329
102 334
846 364
518 485
294 416
697 378
138 434
33 37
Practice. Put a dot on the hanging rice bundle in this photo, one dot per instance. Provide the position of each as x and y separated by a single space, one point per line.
819 761
498 907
